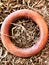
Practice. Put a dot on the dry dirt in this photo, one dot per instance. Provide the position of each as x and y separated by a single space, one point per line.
24 32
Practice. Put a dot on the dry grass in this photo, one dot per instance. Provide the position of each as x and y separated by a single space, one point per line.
8 6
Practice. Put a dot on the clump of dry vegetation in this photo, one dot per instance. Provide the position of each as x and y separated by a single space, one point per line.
24 30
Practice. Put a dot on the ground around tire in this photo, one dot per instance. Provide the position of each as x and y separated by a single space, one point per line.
26 33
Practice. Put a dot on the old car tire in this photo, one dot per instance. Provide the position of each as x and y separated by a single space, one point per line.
24 52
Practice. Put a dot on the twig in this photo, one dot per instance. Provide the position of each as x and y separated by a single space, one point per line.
23 2
28 2
8 35
35 9
23 29
2 56
1 22
40 4
34 4
17 1
0 51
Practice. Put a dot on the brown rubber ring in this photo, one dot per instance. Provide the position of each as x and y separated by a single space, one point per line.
24 52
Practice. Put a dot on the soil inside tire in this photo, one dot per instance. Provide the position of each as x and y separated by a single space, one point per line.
25 33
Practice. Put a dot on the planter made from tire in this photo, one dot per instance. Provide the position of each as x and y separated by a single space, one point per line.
24 52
